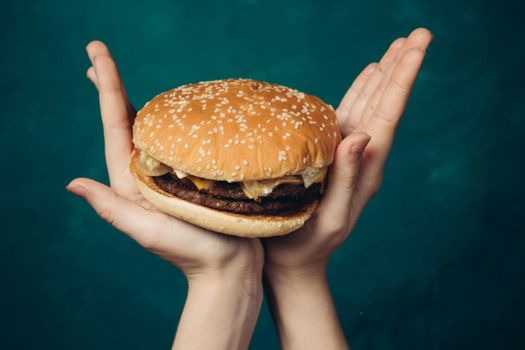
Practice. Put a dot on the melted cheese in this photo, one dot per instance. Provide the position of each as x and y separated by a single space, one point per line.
199 182
260 188
256 189
253 189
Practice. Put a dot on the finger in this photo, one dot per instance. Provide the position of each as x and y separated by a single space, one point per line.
142 225
356 111
418 38
98 48
351 95
92 76
115 120
384 121
335 205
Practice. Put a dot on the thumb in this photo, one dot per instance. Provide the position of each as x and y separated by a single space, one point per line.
140 224
342 179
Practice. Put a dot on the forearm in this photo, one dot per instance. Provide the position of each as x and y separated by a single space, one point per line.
219 314
304 311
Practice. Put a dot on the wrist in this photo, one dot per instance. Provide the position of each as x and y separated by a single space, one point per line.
299 276
302 308
243 281
221 310
291 286
242 271
219 283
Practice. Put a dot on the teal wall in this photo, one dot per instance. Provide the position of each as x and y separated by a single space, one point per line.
436 261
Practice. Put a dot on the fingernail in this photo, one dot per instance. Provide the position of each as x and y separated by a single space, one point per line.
76 189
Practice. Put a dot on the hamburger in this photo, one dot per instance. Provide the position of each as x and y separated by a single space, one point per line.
235 156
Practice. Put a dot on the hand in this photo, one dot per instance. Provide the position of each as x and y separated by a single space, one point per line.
220 268
368 117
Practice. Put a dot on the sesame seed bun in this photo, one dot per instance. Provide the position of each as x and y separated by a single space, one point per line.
237 130
220 221
234 130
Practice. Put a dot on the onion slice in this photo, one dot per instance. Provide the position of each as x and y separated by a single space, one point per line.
313 175
149 166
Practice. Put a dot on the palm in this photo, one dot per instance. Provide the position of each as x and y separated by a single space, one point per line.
206 245
372 106
124 206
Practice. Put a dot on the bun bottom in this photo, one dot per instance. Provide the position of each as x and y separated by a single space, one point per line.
220 221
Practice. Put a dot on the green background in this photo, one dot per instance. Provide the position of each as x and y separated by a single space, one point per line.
436 261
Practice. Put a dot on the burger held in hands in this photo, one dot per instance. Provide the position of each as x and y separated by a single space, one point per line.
236 156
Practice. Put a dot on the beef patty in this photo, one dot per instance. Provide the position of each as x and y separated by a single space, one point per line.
284 199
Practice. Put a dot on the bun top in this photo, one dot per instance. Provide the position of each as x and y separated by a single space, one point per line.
237 130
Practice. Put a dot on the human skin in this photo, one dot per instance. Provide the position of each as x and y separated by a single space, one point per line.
224 272
295 267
